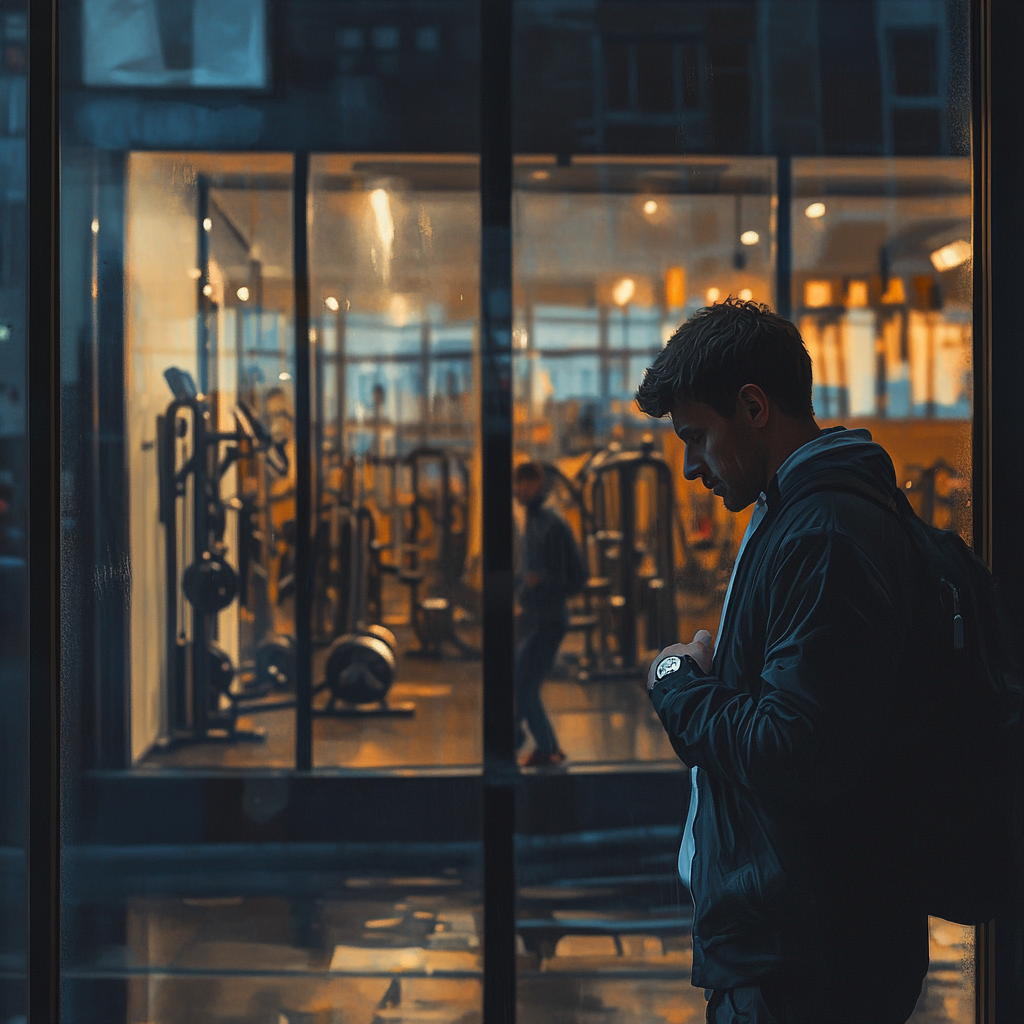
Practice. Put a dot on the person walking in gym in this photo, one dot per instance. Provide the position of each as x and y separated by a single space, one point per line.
802 726
550 570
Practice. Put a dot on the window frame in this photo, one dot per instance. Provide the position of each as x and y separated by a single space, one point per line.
997 94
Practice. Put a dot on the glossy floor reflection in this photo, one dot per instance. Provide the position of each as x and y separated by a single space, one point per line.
597 722
405 947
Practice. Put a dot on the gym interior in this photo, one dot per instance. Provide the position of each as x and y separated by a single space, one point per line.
277 302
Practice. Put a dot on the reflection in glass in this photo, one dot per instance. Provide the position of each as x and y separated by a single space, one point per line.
395 279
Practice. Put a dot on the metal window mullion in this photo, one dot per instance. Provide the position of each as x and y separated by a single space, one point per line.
500 771
43 426
303 470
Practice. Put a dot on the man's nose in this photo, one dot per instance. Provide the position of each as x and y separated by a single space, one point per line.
691 466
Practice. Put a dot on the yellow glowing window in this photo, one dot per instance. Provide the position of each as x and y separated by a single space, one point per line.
817 294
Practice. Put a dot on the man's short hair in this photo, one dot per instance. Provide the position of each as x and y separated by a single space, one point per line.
721 348
528 471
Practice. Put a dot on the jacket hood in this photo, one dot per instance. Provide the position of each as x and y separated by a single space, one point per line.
838 450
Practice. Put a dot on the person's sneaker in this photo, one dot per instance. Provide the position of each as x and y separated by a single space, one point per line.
538 760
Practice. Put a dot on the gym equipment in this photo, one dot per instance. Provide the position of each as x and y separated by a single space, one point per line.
210 583
632 509
203 700
589 611
274 665
445 510
358 674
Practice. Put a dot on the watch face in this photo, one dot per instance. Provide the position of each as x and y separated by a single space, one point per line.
668 665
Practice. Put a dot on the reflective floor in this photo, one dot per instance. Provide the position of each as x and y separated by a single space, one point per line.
350 948
597 722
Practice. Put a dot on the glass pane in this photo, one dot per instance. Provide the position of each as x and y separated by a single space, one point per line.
204 878
395 255
611 255
625 225
13 515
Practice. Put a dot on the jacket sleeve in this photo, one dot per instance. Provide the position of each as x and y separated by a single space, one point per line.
827 686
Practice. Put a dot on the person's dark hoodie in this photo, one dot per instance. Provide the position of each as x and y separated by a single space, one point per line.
802 732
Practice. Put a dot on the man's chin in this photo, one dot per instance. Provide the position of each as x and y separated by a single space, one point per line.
734 504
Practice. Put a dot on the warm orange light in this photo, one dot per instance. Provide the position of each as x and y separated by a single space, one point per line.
896 293
712 295
623 291
675 287
952 255
857 294
745 294
817 294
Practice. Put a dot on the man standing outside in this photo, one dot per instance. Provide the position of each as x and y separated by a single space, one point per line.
551 569
799 724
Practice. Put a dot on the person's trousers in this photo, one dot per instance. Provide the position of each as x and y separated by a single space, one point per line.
540 635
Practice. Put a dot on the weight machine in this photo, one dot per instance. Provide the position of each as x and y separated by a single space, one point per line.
204 698
631 503
435 520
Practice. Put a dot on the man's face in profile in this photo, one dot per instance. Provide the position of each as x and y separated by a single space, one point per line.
722 452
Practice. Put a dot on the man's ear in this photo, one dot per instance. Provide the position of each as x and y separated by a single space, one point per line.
754 404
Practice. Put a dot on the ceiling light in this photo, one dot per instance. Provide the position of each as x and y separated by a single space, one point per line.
95 226
650 207
712 295
207 224
746 295
243 294
623 291
541 175
952 255
815 210
381 205
207 290
332 303
284 375
750 238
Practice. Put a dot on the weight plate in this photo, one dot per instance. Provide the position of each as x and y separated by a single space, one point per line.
210 584
222 671
382 633
359 669
275 663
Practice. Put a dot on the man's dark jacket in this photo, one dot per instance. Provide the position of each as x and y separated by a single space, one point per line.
806 740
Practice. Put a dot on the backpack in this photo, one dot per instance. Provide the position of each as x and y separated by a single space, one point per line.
967 845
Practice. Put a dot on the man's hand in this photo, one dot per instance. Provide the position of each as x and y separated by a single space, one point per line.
701 649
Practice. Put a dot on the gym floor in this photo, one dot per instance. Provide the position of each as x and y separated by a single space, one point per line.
597 723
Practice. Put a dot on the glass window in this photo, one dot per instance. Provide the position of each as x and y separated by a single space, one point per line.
813 163
395 282
270 290
13 514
